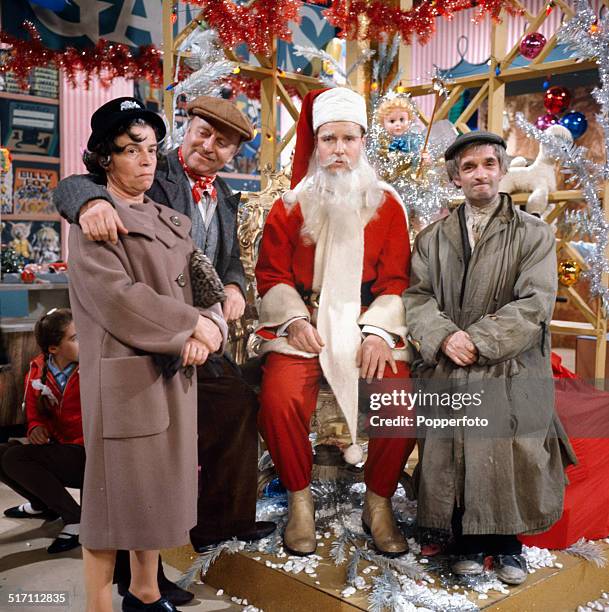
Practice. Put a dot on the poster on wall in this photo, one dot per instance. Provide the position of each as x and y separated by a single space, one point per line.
36 241
6 191
33 188
30 128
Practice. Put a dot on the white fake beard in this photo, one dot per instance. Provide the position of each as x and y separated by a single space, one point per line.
332 196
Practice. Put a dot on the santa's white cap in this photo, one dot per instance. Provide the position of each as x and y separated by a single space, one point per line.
339 104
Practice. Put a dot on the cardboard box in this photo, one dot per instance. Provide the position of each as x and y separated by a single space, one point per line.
585 354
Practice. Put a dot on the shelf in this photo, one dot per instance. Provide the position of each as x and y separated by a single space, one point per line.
27 157
31 217
33 286
27 98
570 195
572 328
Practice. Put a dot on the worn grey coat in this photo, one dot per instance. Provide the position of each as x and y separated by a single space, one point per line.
510 482
131 301
171 188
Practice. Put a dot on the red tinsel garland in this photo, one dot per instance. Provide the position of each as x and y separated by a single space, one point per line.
420 21
255 24
258 22
106 60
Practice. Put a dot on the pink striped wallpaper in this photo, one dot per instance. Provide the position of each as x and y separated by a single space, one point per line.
442 49
76 107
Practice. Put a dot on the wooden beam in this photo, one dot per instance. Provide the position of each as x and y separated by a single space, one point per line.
287 101
496 86
527 15
565 8
168 62
358 78
582 306
533 27
473 105
538 70
285 139
521 73
555 212
187 30
600 359
449 103
405 51
268 114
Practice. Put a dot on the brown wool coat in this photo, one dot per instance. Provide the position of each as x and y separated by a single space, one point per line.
140 429
512 483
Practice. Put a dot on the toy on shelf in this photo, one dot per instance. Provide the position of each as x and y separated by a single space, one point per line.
400 144
539 178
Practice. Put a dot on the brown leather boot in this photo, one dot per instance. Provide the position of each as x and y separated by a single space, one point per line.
299 535
378 521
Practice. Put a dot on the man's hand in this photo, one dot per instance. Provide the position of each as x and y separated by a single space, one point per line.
194 353
234 305
208 334
100 221
460 349
372 357
304 337
39 435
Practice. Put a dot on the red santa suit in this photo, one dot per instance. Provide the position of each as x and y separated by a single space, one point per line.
295 275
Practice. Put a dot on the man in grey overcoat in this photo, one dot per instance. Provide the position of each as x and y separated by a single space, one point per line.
478 310
187 181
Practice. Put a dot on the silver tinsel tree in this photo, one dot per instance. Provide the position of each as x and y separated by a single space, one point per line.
588 37
584 174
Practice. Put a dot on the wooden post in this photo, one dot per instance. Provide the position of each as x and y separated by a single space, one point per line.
268 112
601 339
405 51
168 61
357 78
496 97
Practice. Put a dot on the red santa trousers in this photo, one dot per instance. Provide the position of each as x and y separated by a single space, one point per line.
288 397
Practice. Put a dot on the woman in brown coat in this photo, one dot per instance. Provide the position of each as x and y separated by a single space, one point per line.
132 307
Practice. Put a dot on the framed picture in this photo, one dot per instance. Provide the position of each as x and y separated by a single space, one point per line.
33 188
6 191
30 127
37 241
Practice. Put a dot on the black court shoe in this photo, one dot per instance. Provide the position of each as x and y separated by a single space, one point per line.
132 604
63 542
18 513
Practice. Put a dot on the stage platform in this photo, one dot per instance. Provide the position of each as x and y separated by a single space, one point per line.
249 575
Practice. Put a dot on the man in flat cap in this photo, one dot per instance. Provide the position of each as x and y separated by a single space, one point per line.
478 310
332 266
186 180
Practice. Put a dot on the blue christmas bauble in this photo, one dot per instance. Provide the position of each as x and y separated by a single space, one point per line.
575 122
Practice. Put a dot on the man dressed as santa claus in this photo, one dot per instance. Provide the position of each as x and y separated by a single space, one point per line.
332 266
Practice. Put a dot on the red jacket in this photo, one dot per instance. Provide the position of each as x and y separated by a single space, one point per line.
285 258
65 423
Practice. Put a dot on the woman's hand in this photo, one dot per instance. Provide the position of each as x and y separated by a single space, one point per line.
208 334
39 435
194 353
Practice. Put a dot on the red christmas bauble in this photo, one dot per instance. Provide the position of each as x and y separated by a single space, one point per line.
532 44
557 99
543 122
